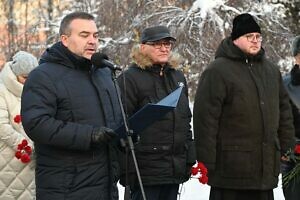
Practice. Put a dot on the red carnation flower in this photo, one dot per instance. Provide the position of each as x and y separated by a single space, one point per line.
203 179
23 151
200 172
18 154
17 119
24 143
28 149
25 158
194 171
200 165
20 146
297 149
203 170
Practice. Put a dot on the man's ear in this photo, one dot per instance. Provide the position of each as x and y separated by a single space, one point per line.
64 40
142 47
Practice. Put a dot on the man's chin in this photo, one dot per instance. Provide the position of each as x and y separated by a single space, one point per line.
254 52
162 61
88 56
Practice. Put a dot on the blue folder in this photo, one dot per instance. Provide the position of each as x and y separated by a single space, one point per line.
150 113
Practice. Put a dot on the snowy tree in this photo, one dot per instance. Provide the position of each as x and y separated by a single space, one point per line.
198 25
27 25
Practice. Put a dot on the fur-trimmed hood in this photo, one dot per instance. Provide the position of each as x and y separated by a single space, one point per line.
144 61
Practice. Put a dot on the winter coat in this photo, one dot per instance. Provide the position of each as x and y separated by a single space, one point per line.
165 151
17 178
242 120
63 101
292 85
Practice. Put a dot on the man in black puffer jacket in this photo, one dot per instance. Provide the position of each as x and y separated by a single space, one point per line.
69 109
165 152
242 117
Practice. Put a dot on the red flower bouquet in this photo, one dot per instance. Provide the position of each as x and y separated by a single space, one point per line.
199 171
293 157
23 151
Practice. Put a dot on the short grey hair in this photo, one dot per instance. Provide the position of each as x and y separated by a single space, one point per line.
64 28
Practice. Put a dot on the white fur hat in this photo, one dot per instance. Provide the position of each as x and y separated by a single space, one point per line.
23 63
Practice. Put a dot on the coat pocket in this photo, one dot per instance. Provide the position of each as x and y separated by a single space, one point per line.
237 161
155 159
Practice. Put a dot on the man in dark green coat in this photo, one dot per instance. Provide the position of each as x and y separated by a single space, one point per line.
242 117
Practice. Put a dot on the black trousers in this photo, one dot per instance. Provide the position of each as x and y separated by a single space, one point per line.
157 192
228 194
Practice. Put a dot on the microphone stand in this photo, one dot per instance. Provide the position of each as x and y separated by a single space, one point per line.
129 143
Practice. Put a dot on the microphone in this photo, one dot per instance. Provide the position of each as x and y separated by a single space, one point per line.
100 60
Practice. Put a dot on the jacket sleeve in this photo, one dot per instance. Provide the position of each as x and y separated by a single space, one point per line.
189 115
38 110
207 110
129 93
286 131
8 134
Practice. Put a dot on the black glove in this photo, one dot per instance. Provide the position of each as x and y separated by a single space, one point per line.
103 134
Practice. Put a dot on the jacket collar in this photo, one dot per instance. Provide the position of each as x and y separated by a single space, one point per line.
145 62
60 54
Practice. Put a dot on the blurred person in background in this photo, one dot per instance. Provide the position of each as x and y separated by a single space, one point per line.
291 189
2 61
16 171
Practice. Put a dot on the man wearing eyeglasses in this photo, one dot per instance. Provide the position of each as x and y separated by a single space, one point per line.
242 118
165 152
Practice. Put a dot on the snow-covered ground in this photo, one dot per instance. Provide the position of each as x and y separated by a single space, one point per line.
193 190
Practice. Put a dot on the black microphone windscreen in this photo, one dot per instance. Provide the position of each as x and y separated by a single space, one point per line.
97 59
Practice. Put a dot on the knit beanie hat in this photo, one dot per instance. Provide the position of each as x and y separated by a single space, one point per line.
23 63
296 46
243 24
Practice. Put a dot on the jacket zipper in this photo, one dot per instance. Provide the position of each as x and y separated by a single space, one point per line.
161 73
261 103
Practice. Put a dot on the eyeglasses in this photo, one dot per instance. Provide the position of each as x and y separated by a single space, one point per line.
160 44
251 37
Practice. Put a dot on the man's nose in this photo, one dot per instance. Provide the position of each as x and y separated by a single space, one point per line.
92 39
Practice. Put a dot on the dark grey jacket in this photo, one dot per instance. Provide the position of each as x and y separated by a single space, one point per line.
242 120
292 85
165 152
63 101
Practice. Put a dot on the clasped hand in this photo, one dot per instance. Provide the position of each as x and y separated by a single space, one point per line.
103 135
